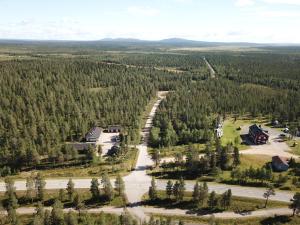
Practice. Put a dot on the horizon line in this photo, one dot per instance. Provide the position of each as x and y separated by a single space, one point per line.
130 39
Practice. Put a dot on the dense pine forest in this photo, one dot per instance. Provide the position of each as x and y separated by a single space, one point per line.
45 103
48 99
248 84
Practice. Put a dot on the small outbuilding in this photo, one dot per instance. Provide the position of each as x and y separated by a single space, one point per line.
258 135
219 132
93 135
114 129
280 164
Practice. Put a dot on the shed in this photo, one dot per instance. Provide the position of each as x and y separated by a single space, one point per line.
280 163
114 128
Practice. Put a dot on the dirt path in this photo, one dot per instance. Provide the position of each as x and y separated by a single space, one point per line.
211 69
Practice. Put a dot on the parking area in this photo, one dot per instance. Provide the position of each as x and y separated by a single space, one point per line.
107 140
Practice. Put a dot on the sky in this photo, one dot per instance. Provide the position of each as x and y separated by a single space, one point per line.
260 21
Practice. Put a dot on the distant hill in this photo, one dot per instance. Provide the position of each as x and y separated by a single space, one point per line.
136 44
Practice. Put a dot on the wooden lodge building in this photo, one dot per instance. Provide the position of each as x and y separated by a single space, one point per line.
94 134
258 135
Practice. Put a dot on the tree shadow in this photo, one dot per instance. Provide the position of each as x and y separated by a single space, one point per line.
276 220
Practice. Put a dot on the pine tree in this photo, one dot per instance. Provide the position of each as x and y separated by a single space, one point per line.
29 188
57 215
40 187
153 190
224 159
156 157
71 218
13 218
39 217
176 190
70 190
107 187
78 202
295 205
203 194
10 194
169 189
236 157
181 190
181 222
119 185
94 189
196 192
268 193
61 195
225 200
212 200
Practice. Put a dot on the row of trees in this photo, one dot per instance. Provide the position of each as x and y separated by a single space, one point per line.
262 175
212 162
35 190
200 196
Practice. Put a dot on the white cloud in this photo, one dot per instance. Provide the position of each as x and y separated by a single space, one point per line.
286 2
244 3
279 14
142 11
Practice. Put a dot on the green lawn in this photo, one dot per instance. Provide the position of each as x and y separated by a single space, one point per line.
232 134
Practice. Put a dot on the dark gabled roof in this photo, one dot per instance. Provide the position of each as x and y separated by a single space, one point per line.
257 130
280 160
94 133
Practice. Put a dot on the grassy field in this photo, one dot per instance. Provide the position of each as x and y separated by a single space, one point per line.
295 149
238 203
256 161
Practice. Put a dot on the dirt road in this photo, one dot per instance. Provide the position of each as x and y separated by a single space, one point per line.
211 69
173 212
